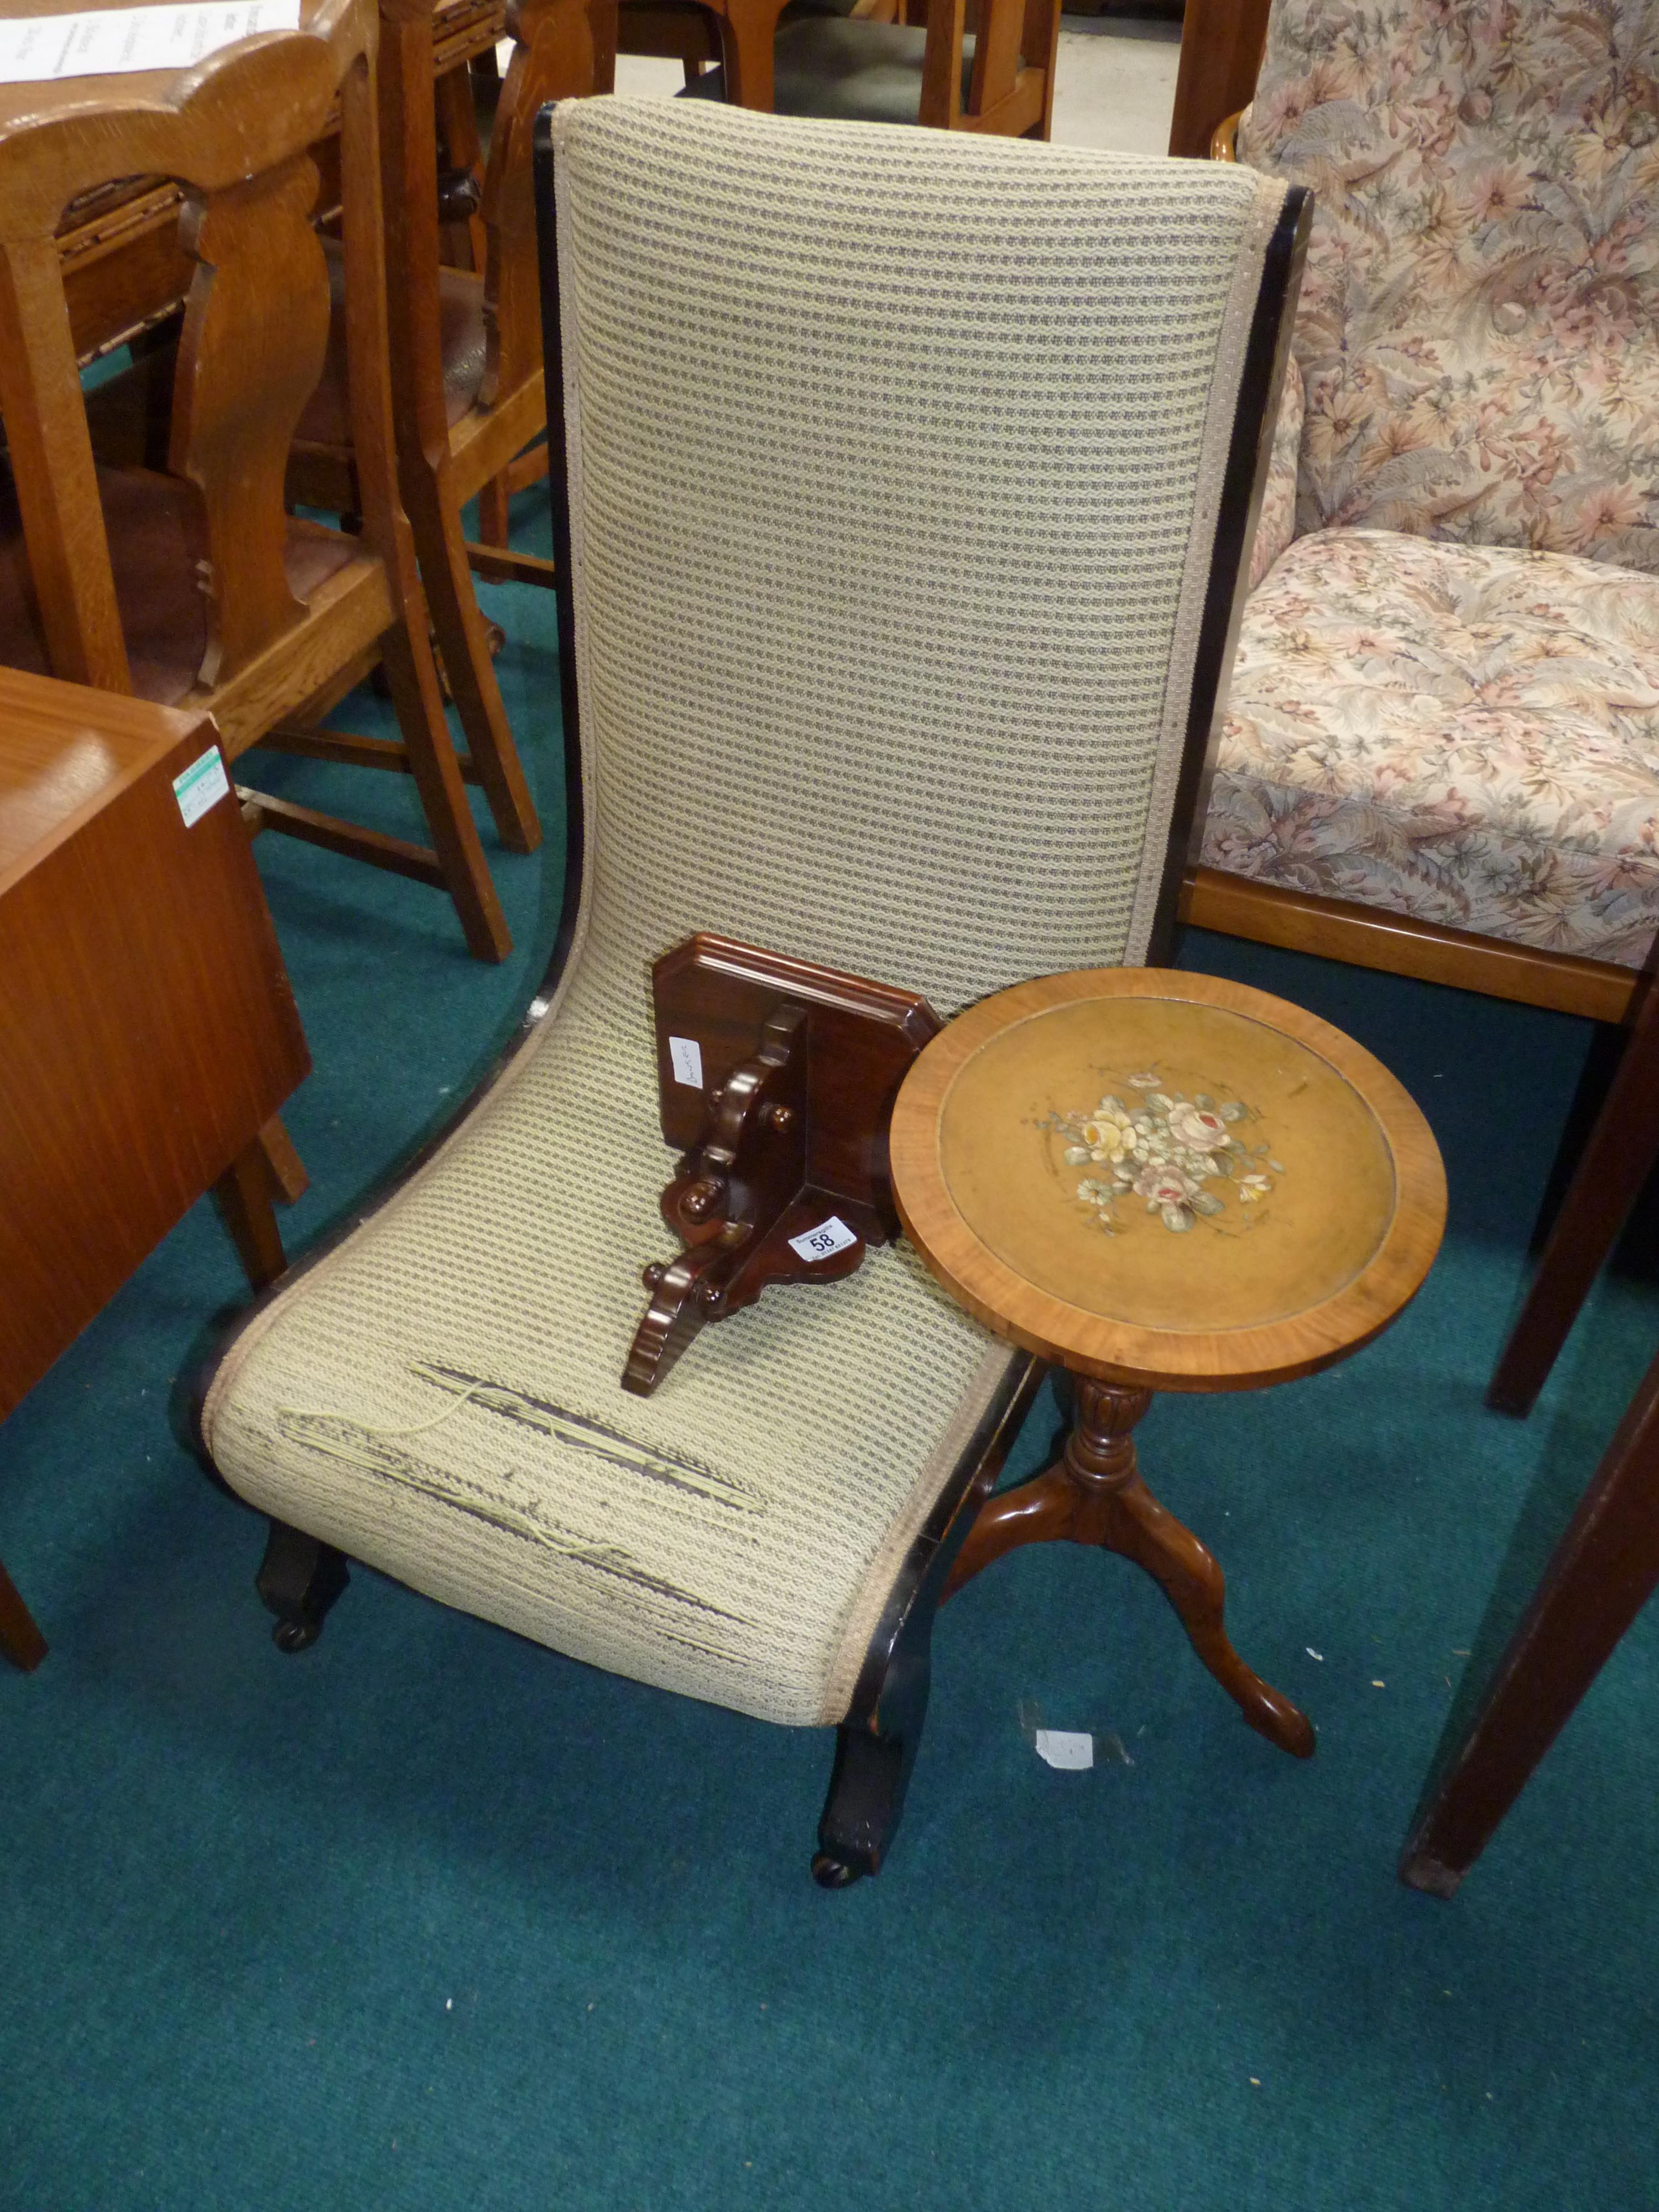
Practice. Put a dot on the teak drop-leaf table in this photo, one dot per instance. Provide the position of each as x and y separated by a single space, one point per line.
148 1033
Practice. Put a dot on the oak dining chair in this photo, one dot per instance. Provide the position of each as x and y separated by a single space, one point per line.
187 583
469 404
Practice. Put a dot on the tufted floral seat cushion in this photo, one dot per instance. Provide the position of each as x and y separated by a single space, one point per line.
1466 734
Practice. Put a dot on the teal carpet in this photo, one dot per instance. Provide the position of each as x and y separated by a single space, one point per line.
430 1917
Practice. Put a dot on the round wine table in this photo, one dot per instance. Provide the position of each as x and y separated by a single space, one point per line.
1161 1181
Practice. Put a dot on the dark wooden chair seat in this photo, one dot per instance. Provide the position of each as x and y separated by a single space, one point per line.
155 545
325 425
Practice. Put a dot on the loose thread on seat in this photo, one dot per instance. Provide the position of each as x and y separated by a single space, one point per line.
375 1429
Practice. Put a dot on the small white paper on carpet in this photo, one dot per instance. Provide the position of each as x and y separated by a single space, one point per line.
1062 1748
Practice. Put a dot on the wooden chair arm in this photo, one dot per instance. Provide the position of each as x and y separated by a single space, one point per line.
1224 139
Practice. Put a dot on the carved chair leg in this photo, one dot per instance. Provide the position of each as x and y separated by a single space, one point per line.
299 1579
443 796
1093 1494
20 1640
464 644
874 1758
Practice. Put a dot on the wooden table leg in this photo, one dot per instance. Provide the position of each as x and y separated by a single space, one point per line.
1094 1495
1602 1572
287 1170
242 1195
20 1640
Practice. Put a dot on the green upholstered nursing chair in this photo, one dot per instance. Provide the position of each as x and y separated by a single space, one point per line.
910 674
851 67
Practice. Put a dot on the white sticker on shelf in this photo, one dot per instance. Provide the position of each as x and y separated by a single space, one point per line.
1063 1749
111 41
685 1056
826 1241
202 785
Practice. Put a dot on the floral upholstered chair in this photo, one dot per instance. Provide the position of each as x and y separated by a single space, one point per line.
1446 697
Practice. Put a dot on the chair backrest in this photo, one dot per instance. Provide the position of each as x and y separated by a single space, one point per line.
234 132
1479 327
910 476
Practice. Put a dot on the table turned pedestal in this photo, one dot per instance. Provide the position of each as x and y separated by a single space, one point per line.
1161 1181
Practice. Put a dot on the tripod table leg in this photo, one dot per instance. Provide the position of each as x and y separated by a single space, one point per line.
1094 1495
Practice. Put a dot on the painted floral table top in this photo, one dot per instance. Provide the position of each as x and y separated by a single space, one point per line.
1165 1179
1168 1163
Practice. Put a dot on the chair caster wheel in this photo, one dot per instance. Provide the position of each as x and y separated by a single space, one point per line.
833 1874
295 1634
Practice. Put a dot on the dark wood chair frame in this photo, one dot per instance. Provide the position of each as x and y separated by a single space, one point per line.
876 1744
1616 1162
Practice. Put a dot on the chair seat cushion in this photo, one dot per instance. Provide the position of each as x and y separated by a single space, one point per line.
736 1535
1466 734
844 68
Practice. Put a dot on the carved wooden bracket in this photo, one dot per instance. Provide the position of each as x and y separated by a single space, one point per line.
777 1078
